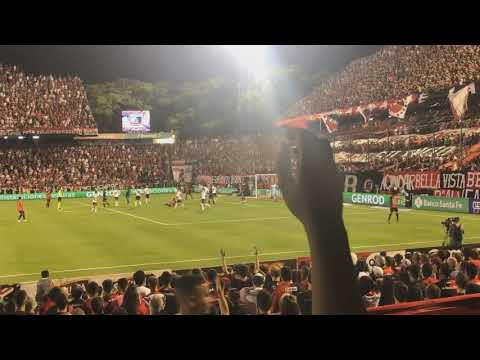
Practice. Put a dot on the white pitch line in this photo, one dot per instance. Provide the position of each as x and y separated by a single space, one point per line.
228 257
134 216
157 263
230 221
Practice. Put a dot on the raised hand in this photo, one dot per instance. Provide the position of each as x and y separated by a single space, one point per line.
312 189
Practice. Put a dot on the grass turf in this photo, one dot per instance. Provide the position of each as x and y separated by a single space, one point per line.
75 242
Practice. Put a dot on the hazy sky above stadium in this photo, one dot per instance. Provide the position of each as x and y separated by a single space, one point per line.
96 63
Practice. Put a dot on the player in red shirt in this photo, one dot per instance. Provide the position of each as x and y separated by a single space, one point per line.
49 198
21 210
394 199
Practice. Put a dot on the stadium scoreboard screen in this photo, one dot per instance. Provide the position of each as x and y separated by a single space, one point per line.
135 121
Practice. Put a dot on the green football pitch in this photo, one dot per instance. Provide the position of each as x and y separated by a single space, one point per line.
75 243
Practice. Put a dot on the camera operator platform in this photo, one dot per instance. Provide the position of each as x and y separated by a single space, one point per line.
453 233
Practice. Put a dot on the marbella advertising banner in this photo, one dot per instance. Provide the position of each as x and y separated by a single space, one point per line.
74 194
458 184
437 203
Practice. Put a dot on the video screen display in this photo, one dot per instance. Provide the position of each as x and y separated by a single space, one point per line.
136 121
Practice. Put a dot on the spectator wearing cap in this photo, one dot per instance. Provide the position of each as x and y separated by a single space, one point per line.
369 292
248 295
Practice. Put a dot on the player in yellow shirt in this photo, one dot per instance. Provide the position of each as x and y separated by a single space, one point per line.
59 199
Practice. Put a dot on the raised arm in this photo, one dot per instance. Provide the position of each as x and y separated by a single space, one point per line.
222 301
224 263
257 260
312 189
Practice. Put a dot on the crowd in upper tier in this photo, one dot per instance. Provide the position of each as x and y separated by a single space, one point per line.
42 104
393 72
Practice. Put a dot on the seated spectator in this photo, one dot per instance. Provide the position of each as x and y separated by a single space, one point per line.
369 292
472 288
387 297
400 292
165 283
139 279
264 302
120 311
97 306
20 301
191 296
283 286
427 272
248 295
109 299
157 304
122 285
62 305
289 305
432 291
78 311
304 298
92 292
49 301
234 305
461 281
76 302
362 268
241 278
133 303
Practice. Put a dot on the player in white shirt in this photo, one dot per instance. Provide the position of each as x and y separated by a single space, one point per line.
95 201
203 198
178 199
214 194
274 192
116 195
138 197
146 192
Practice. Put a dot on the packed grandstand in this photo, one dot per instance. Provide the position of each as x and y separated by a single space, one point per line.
402 112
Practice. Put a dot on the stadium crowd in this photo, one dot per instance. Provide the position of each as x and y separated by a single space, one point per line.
80 166
253 289
391 73
31 103
240 290
418 276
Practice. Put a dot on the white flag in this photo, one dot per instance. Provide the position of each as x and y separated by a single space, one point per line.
459 101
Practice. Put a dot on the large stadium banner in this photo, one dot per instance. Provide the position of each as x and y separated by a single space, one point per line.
441 204
411 181
456 184
363 182
75 194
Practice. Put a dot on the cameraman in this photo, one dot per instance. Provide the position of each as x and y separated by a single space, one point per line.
455 234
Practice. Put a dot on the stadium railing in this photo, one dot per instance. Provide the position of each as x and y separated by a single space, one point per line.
455 305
